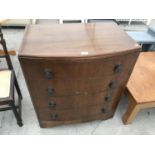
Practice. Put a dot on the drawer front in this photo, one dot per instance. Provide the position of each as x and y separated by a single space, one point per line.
72 114
50 69
79 86
65 91
74 102
61 115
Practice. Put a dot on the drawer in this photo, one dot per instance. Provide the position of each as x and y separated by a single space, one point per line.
92 67
72 114
45 123
68 87
106 99
61 115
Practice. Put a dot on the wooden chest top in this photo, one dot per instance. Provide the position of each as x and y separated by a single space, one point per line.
76 40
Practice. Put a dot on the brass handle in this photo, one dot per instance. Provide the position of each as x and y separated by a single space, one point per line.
50 91
52 104
54 117
48 74
112 84
117 68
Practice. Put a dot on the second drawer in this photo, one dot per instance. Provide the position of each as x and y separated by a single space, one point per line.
68 87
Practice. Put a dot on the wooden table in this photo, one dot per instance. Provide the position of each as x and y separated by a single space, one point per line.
141 86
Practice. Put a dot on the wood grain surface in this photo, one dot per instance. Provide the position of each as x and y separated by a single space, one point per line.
76 40
142 81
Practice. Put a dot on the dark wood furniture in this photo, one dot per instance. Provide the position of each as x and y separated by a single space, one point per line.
141 86
76 72
7 83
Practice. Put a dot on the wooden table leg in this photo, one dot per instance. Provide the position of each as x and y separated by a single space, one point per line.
130 114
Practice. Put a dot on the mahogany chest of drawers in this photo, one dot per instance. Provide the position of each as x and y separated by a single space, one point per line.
76 72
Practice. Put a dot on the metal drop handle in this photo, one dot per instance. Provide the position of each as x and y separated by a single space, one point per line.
117 68
50 91
105 110
112 84
48 74
108 98
54 117
52 104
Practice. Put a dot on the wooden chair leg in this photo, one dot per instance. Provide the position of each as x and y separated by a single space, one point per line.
131 113
17 115
20 106
18 88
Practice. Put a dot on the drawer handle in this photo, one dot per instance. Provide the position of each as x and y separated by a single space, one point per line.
117 68
108 98
48 74
54 117
112 84
52 105
50 91
105 110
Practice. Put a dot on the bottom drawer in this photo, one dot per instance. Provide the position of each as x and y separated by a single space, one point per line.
82 112
47 124
55 115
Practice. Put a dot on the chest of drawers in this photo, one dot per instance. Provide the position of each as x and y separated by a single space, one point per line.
76 72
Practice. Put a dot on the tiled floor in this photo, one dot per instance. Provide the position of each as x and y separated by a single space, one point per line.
143 124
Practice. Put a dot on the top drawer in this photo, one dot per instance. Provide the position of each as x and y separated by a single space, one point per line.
97 67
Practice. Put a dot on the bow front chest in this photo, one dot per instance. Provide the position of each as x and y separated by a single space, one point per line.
76 72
